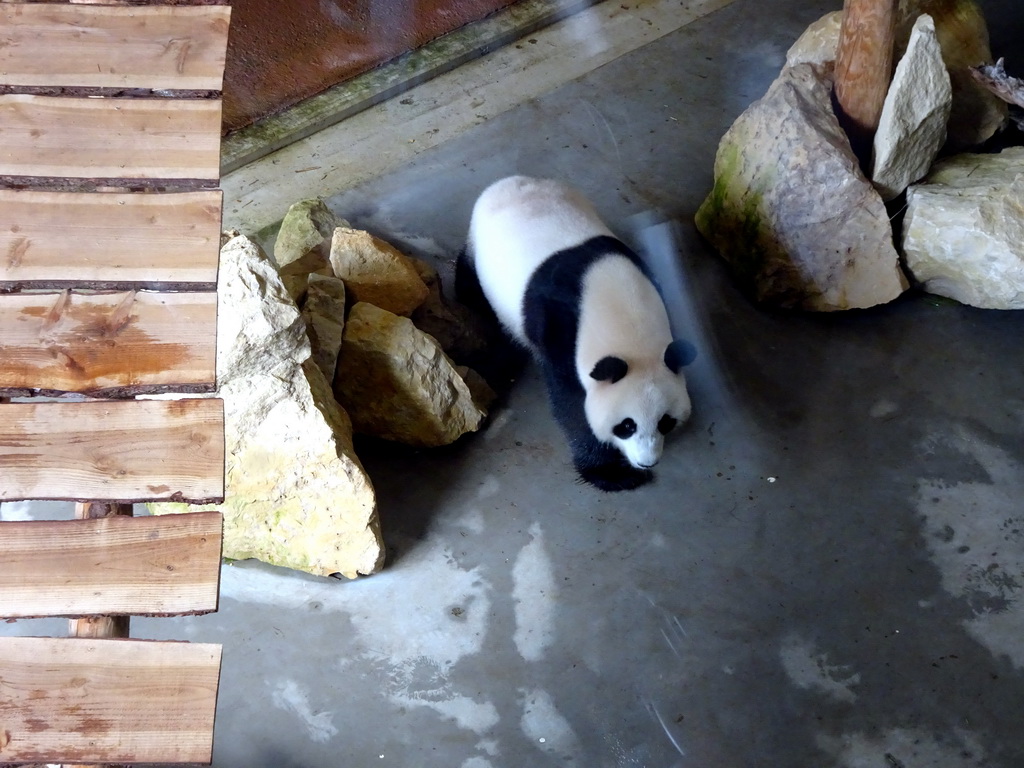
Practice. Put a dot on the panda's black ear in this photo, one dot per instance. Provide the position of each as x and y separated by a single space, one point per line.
678 354
609 369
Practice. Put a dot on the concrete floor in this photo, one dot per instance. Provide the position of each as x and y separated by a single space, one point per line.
828 572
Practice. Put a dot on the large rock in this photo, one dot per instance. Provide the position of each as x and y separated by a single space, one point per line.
376 272
398 384
791 211
963 236
296 494
913 124
303 244
459 332
324 314
819 42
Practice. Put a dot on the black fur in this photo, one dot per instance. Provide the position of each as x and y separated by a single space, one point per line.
551 312
610 369
678 354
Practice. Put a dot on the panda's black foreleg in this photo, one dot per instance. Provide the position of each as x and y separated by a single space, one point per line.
607 470
598 464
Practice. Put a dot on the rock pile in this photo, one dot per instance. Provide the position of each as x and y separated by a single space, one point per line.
298 378
803 227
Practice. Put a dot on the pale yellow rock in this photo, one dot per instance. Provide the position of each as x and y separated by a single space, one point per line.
963 235
376 272
791 210
296 494
303 243
483 395
397 383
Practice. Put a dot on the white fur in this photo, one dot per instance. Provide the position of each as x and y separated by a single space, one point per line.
558 217
622 315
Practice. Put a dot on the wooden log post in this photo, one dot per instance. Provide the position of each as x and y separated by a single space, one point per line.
864 64
99 626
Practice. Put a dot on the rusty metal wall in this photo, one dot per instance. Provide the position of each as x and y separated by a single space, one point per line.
282 52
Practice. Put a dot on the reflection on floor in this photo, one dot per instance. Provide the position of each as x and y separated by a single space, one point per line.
827 572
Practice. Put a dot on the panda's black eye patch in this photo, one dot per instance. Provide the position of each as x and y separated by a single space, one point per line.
624 429
666 424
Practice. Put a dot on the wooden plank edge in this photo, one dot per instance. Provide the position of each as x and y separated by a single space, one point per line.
85 91
14 286
98 183
177 497
115 393
200 612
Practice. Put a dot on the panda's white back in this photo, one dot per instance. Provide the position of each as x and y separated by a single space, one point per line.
518 222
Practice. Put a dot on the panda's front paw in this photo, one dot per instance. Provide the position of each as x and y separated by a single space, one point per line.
615 477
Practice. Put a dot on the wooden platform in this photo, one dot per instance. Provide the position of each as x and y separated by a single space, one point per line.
109 246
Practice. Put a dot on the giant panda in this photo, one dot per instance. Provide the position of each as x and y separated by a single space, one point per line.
583 303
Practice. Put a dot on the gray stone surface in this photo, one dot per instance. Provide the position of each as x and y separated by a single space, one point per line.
912 128
791 212
964 230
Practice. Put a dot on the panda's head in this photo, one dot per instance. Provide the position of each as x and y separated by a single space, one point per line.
633 406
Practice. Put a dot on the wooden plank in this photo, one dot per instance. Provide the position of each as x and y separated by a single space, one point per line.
113 47
102 240
123 451
157 566
105 138
110 701
100 626
120 344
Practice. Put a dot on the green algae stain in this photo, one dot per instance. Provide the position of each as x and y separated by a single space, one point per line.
731 217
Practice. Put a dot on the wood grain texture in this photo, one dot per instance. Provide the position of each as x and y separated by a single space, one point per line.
100 626
108 701
123 451
51 136
864 65
123 343
159 566
58 239
115 47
